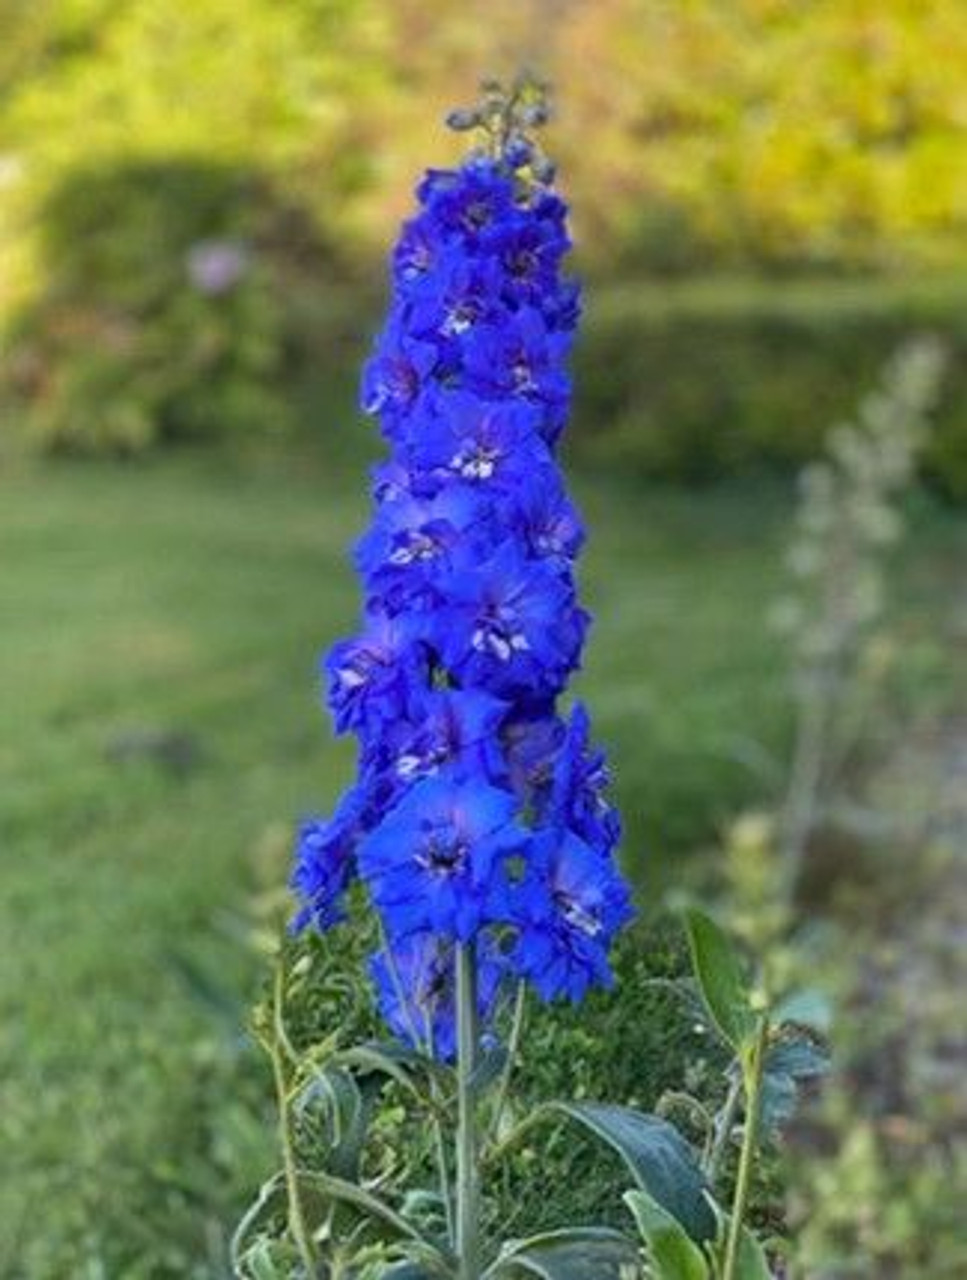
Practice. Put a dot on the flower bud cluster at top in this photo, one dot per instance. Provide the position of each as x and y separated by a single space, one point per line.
479 815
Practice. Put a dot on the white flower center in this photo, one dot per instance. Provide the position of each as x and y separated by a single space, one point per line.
478 463
418 546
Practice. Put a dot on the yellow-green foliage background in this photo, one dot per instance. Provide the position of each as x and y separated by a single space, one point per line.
821 139
777 130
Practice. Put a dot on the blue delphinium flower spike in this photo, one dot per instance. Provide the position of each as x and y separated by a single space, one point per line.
480 814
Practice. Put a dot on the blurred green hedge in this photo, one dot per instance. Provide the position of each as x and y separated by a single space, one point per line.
163 314
688 381
190 300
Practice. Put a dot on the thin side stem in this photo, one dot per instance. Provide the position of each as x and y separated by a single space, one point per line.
425 1046
440 1143
446 1191
513 1048
468 1169
399 991
752 1075
298 1228
723 1128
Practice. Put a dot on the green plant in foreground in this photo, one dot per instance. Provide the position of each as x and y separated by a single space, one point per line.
365 1191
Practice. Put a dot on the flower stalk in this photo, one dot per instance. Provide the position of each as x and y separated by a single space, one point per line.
468 1162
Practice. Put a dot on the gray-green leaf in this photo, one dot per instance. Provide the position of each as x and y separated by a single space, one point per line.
788 1065
721 981
806 1008
346 1112
270 1194
660 1160
576 1254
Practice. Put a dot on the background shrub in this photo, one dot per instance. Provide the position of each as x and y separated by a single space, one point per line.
708 137
690 381
751 129
163 316
696 380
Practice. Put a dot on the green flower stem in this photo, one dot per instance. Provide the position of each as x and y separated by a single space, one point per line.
752 1067
298 1228
468 1168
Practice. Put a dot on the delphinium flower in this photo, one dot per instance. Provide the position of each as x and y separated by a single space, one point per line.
479 818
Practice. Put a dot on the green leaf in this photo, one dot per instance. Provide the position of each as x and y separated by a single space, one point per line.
673 1256
270 1195
576 1254
349 1193
660 1160
752 1264
721 981
410 1070
259 1263
432 1263
346 1113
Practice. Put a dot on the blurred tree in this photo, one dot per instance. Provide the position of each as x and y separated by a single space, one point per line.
692 133
831 130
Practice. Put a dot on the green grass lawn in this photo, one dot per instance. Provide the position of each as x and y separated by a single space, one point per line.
193 596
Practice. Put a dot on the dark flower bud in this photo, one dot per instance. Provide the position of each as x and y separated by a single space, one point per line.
463 119
518 151
534 115
543 170
477 156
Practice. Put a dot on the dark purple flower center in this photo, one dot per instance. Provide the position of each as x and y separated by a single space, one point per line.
445 854
401 379
415 545
523 264
477 214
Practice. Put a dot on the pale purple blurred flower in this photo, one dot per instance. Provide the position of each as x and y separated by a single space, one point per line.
215 266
